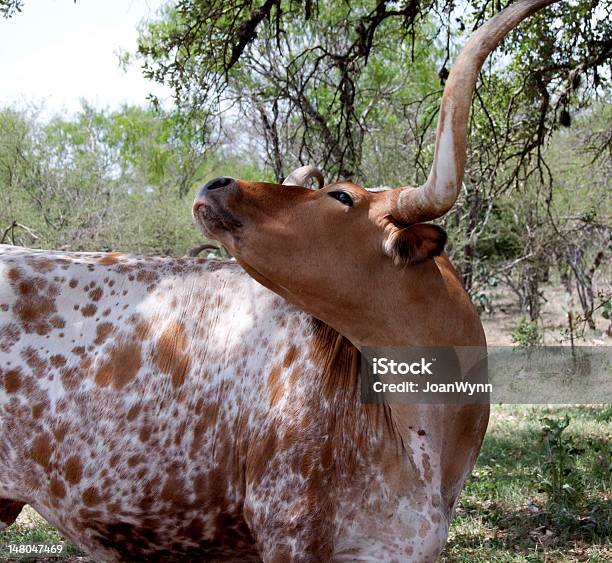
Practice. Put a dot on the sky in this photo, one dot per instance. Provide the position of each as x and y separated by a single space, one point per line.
56 52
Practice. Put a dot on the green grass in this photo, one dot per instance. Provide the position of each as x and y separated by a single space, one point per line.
31 529
504 516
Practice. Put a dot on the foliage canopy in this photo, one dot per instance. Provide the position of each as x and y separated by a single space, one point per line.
320 81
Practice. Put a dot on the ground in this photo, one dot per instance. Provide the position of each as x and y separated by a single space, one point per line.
504 514
539 492
504 316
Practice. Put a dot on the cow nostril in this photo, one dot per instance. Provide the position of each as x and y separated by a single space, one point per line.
217 183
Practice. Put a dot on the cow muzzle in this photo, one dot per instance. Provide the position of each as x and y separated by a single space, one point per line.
223 183
210 207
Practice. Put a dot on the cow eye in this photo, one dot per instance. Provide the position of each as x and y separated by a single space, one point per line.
342 197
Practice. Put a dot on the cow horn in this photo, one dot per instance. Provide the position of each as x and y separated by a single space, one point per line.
439 193
301 175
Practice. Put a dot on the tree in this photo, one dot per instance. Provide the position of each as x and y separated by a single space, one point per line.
9 8
299 68
101 180
312 72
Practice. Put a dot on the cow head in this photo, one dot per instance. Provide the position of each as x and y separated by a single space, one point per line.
320 249
364 262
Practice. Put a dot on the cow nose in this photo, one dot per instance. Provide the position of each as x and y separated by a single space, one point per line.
214 184
217 183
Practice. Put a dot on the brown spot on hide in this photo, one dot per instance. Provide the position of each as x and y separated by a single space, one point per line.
290 356
57 322
12 380
121 367
96 294
208 416
424 529
40 450
13 274
135 460
275 385
173 491
34 361
57 489
57 360
35 305
294 377
147 277
291 436
260 459
70 377
38 409
42 265
73 470
133 412
111 258
87 514
103 331
61 431
91 497
89 310
114 507
9 335
170 354
144 433
143 329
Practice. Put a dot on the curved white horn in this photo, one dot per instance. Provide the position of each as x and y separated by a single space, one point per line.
301 175
439 193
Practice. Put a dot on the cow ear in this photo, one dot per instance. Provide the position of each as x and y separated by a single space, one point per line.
414 244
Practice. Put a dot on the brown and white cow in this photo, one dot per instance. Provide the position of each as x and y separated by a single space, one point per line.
175 409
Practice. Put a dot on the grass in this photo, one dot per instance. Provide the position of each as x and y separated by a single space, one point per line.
504 514
31 529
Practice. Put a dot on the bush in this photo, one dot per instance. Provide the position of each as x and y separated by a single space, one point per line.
526 334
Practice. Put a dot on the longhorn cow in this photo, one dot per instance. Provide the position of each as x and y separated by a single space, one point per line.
175 409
